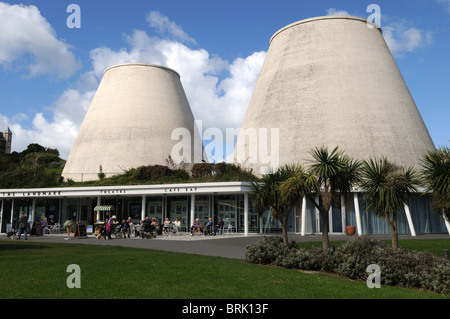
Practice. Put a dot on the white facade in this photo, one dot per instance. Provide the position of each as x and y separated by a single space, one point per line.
230 201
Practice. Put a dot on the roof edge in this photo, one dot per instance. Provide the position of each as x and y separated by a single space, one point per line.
143 65
344 17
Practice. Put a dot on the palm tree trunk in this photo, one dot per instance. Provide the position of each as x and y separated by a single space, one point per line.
325 238
284 231
394 232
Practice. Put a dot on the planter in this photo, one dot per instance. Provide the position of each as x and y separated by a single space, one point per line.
350 230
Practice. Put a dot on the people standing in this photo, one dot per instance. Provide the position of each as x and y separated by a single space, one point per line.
23 223
167 223
125 228
130 224
110 226
68 224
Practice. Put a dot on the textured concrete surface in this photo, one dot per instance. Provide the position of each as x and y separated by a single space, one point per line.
130 122
332 81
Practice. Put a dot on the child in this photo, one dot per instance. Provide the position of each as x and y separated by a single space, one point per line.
166 226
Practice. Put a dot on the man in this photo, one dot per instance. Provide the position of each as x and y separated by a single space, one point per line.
208 227
158 226
219 227
23 223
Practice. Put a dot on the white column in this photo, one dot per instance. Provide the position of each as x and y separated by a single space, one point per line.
143 200
447 224
165 205
357 214
12 213
245 214
410 222
33 210
330 220
1 216
318 224
261 226
192 211
303 226
99 202
343 213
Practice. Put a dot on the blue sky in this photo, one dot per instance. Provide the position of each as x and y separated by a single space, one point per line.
49 72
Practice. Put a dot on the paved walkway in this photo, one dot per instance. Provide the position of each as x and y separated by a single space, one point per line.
228 246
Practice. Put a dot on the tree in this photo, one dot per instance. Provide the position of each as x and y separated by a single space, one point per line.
389 187
335 175
266 195
436 177
330 176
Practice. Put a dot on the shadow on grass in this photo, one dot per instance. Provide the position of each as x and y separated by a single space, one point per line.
12 245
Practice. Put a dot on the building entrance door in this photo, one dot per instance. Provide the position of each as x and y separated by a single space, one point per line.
86 211
178 208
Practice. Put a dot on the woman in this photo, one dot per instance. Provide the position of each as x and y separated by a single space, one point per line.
130 224
110 226
68 224
195 227
177 225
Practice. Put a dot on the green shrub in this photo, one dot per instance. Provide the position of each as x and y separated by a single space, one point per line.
180 173
202 169
152 172
47 159
405 268
268 251
353 257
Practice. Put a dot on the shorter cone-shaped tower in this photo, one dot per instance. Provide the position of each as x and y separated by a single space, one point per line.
131 122
330 81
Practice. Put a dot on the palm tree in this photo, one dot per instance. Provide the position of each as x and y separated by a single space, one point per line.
330 175
336 173
265 194
436 176
389 187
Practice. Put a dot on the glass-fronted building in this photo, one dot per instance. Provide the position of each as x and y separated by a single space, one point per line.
230 201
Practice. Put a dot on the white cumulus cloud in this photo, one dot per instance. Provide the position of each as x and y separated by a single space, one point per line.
218 91
163 25
25 32
59 131
337 12
400 35
216 100
402 38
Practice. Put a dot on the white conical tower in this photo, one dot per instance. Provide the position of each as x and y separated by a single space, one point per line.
331 81
131 121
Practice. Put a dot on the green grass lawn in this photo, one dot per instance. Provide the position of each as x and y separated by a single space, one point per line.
435 246
38 270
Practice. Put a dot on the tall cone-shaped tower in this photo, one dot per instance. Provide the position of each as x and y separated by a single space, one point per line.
131 122
330 81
